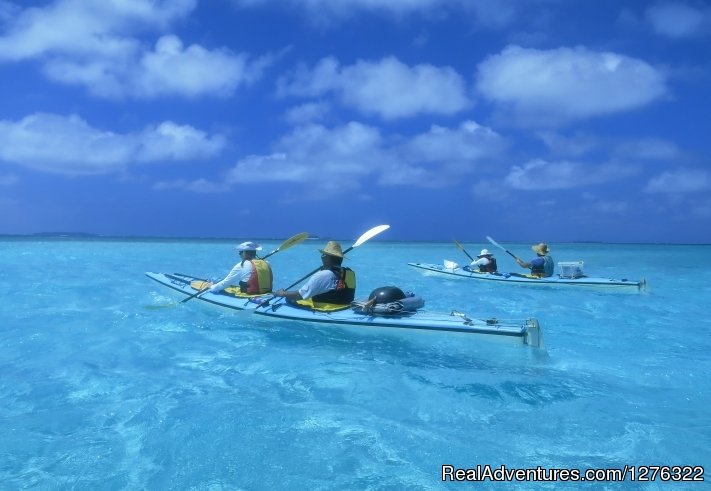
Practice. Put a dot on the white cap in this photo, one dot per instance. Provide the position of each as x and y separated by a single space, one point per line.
484 252
249 246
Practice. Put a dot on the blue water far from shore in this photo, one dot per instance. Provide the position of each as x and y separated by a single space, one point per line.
109 383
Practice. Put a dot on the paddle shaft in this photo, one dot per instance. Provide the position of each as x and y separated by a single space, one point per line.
502 248
463 250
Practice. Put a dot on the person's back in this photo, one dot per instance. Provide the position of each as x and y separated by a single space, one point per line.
485 263
343 291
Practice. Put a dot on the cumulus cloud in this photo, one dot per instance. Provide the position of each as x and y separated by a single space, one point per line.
553 87
542 175
680 181
387 88
678 20
330 160
69 145
86 27
193 70
306 113
170 69
91 43
322 162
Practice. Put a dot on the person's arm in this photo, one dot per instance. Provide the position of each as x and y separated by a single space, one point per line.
288 294
319 283
523 263
227 281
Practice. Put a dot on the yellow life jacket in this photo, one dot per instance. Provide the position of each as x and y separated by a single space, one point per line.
261 280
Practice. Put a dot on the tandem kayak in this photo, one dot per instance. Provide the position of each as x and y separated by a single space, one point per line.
452 269
390 316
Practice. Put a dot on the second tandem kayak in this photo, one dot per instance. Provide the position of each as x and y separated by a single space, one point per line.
517 278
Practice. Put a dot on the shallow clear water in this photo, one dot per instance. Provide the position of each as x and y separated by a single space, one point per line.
107 383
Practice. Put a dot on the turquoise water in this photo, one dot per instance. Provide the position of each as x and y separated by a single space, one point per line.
107 383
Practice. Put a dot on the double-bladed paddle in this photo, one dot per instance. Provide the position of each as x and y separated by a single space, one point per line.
291 241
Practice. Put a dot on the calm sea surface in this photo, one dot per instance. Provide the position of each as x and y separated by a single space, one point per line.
107 383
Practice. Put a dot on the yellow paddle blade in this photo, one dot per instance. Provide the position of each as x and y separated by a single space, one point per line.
200 285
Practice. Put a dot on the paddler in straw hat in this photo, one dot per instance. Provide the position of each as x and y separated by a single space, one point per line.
332 284
542 265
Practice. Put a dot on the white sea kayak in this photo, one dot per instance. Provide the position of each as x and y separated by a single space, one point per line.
388 316
453 270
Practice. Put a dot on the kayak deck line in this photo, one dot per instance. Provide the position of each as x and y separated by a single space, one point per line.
525 332
519 278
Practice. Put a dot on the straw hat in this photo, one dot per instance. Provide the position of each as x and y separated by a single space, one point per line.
332 248
541 249
248 246
484 252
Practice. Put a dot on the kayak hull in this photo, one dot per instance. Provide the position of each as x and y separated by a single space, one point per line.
519 279
525 332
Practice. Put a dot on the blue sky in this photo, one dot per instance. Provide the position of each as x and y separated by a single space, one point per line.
530 120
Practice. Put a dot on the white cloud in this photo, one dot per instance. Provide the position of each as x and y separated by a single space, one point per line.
388 87
86 27
540 175
680 181
678 20
170 141
320 162
554 87
69 145
468 143
170 69
193 70
91 43
307 113
329 160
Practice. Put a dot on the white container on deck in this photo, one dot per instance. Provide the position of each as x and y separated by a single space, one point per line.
571 269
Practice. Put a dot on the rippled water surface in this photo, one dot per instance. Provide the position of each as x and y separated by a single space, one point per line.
108 383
